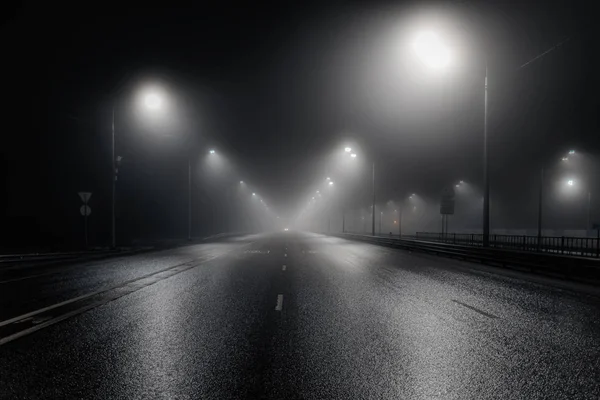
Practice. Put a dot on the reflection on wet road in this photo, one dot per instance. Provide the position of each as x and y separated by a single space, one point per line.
293 316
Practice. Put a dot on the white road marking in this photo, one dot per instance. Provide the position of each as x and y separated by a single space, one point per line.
283 268
285 255
85 296
279 305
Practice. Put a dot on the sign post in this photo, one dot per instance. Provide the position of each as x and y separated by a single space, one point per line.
85 211
446 207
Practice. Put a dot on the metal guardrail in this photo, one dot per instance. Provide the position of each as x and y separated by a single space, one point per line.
576 268
577 246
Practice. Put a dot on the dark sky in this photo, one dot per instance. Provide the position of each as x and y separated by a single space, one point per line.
276 87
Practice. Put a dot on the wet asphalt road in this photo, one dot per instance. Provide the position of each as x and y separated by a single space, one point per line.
341 320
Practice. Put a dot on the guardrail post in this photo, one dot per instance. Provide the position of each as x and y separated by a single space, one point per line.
524 239
562 245
454 238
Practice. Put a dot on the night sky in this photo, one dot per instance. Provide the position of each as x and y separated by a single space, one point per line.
276 88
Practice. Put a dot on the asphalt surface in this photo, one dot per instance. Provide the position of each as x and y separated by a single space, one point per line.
341 320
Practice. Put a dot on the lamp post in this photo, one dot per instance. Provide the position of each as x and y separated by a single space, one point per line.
189 198
152 101
373 207
570 182
436 55
114 184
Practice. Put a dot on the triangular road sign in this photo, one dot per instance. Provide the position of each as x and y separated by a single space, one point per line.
85 196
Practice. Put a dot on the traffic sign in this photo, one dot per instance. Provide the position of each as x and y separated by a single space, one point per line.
85 210
85 196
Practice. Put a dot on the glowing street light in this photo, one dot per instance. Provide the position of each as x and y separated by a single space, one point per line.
153 101
571 152
330 183
253 194
430 49
570 182
242 182
328 179
347 149
353 155
436 55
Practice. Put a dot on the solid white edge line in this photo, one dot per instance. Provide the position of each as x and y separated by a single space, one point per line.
283 268
85 296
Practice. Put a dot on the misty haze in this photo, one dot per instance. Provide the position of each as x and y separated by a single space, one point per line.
312 200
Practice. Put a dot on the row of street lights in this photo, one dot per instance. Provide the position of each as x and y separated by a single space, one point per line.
153 101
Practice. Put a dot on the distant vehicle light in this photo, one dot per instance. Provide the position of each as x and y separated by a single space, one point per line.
286 229
353 155
571 151
347 149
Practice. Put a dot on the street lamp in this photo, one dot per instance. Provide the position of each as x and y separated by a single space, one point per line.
431 50
436 55
347 149
152 100
353 155
569 182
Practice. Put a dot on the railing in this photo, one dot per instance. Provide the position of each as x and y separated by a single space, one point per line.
576 246
572 267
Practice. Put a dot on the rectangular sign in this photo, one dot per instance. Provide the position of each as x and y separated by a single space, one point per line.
447 207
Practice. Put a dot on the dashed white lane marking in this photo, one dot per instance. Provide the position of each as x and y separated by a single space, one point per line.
279 305
283 268
285 255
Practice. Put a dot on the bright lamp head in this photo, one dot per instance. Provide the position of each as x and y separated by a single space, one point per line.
431 50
